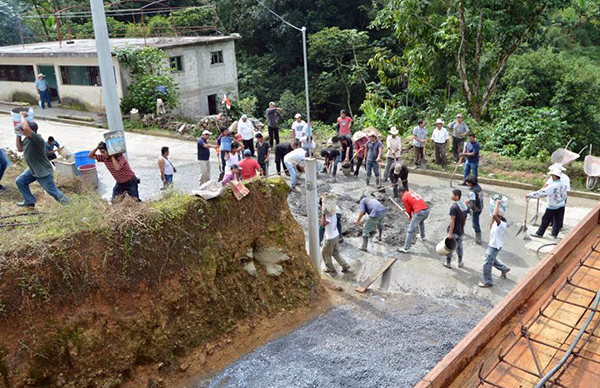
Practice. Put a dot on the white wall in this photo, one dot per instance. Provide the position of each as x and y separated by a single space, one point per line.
91 95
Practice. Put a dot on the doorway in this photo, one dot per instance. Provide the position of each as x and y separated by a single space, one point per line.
48 71
212 104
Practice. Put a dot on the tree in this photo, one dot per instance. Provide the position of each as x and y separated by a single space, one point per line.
342 56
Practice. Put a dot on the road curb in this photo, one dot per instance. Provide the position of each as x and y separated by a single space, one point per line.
497 182
66 121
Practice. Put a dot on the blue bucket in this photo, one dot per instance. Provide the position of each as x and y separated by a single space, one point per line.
81 159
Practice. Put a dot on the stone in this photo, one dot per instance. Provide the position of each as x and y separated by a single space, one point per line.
251 268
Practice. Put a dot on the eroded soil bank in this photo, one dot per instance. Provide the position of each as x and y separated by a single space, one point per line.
88 308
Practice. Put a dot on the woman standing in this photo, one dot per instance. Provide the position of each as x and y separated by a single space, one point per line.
166 168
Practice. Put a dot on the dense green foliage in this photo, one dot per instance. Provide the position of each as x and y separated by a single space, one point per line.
148 69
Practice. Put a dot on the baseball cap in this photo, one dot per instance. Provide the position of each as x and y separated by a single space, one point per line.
297 116
397 168
439 121
247 153
205 132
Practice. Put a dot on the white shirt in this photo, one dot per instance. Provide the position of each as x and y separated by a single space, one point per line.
298 128
331 231
394 146
440 136
304 143
496 234
295 157
564 178
556 193
233 159
168 169
246 129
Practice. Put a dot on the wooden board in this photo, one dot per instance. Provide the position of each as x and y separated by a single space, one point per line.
368 281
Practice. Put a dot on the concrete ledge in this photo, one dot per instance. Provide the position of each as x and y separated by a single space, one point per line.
498 182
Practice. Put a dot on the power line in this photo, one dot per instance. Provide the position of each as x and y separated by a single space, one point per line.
279 17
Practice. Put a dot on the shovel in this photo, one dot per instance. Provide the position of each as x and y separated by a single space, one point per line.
523 228
537 212
455 169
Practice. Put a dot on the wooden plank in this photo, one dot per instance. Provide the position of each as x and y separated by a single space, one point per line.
368 281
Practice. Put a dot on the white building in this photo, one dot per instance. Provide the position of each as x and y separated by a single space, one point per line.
205 69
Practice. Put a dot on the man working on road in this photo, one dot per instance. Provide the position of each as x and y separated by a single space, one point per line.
293 163
39 167
419 141
49 147
399 174
298 127
497 229
456 229
263 150
557 200
204 156
246 129
41 85
459 132
347 153
564 178
331 244
249 166
471 152
273 119
281 150
331 156
376 212
360 143
394 151
475 204
440 140
118 166
374 149
417 211
234 174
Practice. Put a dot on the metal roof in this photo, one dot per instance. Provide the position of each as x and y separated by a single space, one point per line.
87 47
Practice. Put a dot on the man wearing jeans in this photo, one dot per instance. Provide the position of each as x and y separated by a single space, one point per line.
471 152
3 165
456 230
475 204
497 229
118 166
374 148
376 212
41 86
417 211
292 162
40 169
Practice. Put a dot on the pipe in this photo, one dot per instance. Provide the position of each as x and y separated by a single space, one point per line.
569 352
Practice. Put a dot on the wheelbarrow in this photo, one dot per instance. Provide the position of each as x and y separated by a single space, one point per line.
564 156
591 167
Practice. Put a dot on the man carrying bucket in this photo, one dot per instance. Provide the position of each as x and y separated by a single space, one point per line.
40 169
497 229
417 211
456 230
118 166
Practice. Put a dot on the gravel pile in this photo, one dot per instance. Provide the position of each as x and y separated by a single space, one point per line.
381 341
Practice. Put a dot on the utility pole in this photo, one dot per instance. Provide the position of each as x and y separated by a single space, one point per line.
107 72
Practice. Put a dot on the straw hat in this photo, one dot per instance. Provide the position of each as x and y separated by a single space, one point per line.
439 121
358 135
555 170
394 131
558 166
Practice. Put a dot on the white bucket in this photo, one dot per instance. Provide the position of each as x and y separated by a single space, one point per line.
446 246
115 142
329 203
503 205
16 115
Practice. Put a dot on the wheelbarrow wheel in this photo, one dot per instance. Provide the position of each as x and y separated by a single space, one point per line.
591 181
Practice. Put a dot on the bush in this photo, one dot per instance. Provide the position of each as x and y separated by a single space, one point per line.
383 117
291 104
248 106
25 97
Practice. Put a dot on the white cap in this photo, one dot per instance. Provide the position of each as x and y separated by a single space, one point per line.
397 168
554 170
206 132
439 121
244 116
558 166
271 103
297 116
394 131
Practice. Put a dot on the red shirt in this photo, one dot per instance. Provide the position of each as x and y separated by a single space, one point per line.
124 175
249 167
344 124
413 203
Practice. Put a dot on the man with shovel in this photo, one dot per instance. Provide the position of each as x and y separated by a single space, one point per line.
557 199
376 212
399 174
417 211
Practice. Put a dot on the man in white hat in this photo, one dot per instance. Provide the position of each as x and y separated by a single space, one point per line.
564 178
556 192
394 151
440 138
41 85
246 129
298 127
360 141
204 156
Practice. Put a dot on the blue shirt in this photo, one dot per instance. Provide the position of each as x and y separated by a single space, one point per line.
203 153
473 147
372 207
41 84
420 133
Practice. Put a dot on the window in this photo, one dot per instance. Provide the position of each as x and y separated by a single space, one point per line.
216 57
176 63
81 75
17 73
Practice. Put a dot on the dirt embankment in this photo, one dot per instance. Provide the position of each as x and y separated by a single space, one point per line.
88 308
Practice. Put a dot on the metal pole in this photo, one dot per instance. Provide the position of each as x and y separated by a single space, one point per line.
107 72
311 177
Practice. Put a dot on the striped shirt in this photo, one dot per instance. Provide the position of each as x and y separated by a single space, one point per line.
124 175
